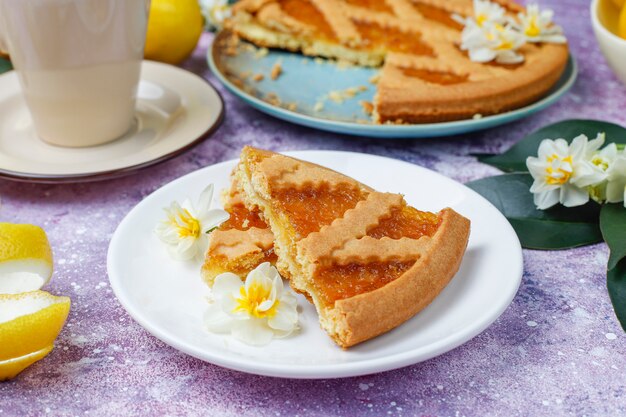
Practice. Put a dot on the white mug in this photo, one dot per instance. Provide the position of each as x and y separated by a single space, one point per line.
78 62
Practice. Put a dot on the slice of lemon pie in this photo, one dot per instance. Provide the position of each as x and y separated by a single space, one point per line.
426 76
366 259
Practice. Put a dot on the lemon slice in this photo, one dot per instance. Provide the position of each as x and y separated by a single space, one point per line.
25 258
29 323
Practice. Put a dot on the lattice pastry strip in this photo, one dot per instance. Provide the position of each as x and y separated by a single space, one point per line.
353 225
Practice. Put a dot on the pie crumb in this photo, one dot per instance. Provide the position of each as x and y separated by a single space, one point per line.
319 106
277 70
339 96
273 99
261 53
292 106
368 107
374 78
336 96
258 77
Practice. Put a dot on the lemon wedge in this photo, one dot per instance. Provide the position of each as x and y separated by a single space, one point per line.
174 27
29 323
25 258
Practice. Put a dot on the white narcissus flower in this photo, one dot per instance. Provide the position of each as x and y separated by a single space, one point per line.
616 177
563 172
484 12
491 42
603 159
215 12
253 312
537 26
185 229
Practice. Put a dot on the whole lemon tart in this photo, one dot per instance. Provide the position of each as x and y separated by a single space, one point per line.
367 260
425 76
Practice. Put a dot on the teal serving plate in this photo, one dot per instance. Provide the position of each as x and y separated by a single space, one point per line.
305 82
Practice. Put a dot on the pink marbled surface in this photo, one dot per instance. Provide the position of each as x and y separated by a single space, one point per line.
557 350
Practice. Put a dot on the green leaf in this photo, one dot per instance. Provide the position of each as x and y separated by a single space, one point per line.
514 160
556 228
5 65
613 226
616 284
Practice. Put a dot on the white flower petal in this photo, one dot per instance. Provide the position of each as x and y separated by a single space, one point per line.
482 55
286 318
254 332
615 191
204 201
545 200
266 305
572 196
212 219
226 284
215 320
229 304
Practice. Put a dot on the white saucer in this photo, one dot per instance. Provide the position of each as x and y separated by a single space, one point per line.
176 110
168 298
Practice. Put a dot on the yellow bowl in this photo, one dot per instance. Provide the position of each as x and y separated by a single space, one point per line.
604 19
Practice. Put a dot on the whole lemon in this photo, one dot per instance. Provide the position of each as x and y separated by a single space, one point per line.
174 27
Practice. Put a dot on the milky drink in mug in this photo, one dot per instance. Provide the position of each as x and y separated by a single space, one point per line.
78 62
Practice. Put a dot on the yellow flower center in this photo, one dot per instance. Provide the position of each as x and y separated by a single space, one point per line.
532 30
557 173
186 224
505 45
600 162
250 300
481 19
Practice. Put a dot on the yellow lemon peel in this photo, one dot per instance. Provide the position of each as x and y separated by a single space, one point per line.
29 324
25 258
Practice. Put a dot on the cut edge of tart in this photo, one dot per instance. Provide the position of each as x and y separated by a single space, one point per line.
241 243
401 257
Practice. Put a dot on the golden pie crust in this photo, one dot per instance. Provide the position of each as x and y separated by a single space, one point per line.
366 259
425 77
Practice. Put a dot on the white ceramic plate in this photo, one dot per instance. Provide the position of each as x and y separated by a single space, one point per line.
176 110
168 298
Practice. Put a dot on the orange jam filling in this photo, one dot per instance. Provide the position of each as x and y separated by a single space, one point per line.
435 77
376 5
306 12
392 39
339 282
242 219
310 209
406 222
438 15
241 266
